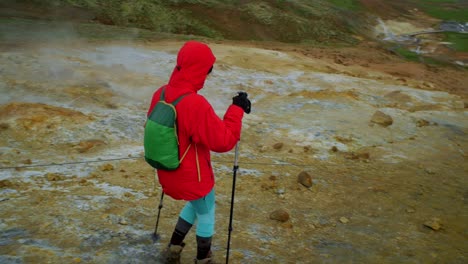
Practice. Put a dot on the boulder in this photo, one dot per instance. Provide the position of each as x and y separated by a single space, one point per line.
382 119
434 224
305 179
278 146
280 215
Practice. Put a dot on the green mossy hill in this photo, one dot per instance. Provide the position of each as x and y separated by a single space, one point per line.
317 21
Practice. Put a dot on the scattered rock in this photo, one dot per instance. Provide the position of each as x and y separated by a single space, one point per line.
84 182
305 179
344 140
428 85
410 210
111 105
107 167
423 123
338 61
6 184
433 224
429 171
280 215
54 177
123 222
278 146
382 119
356 156
262 149
269 186
87 145
4 126
403 80
344 220
334 149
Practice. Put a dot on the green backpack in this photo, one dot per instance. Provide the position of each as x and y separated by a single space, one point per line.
160 141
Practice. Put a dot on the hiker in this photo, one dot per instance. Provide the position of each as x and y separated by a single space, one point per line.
199 131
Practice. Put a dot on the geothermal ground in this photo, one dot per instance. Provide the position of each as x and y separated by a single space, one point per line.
382 142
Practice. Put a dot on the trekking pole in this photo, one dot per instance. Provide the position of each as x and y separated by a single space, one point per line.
155 234
235 168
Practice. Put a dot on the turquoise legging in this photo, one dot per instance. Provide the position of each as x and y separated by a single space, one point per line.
202 210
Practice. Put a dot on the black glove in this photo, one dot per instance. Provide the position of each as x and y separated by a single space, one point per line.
241 100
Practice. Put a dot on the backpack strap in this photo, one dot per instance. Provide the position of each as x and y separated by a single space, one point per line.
161 96
176 101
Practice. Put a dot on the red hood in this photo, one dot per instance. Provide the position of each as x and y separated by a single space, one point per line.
194 60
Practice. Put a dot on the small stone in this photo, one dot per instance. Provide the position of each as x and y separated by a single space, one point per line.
278 146
107 167
382 119
86 145
429 171
123 222
54 177
344 220
433 224
305 179
422 123
280 215
410 210
356 156
4 126
334 149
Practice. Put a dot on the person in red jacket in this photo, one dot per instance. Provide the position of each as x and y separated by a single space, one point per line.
199 131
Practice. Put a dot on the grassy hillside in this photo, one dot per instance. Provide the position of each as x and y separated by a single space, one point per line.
317 21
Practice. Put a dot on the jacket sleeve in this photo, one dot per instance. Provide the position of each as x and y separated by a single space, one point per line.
220 135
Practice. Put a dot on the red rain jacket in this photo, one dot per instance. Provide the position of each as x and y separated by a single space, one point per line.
198 127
